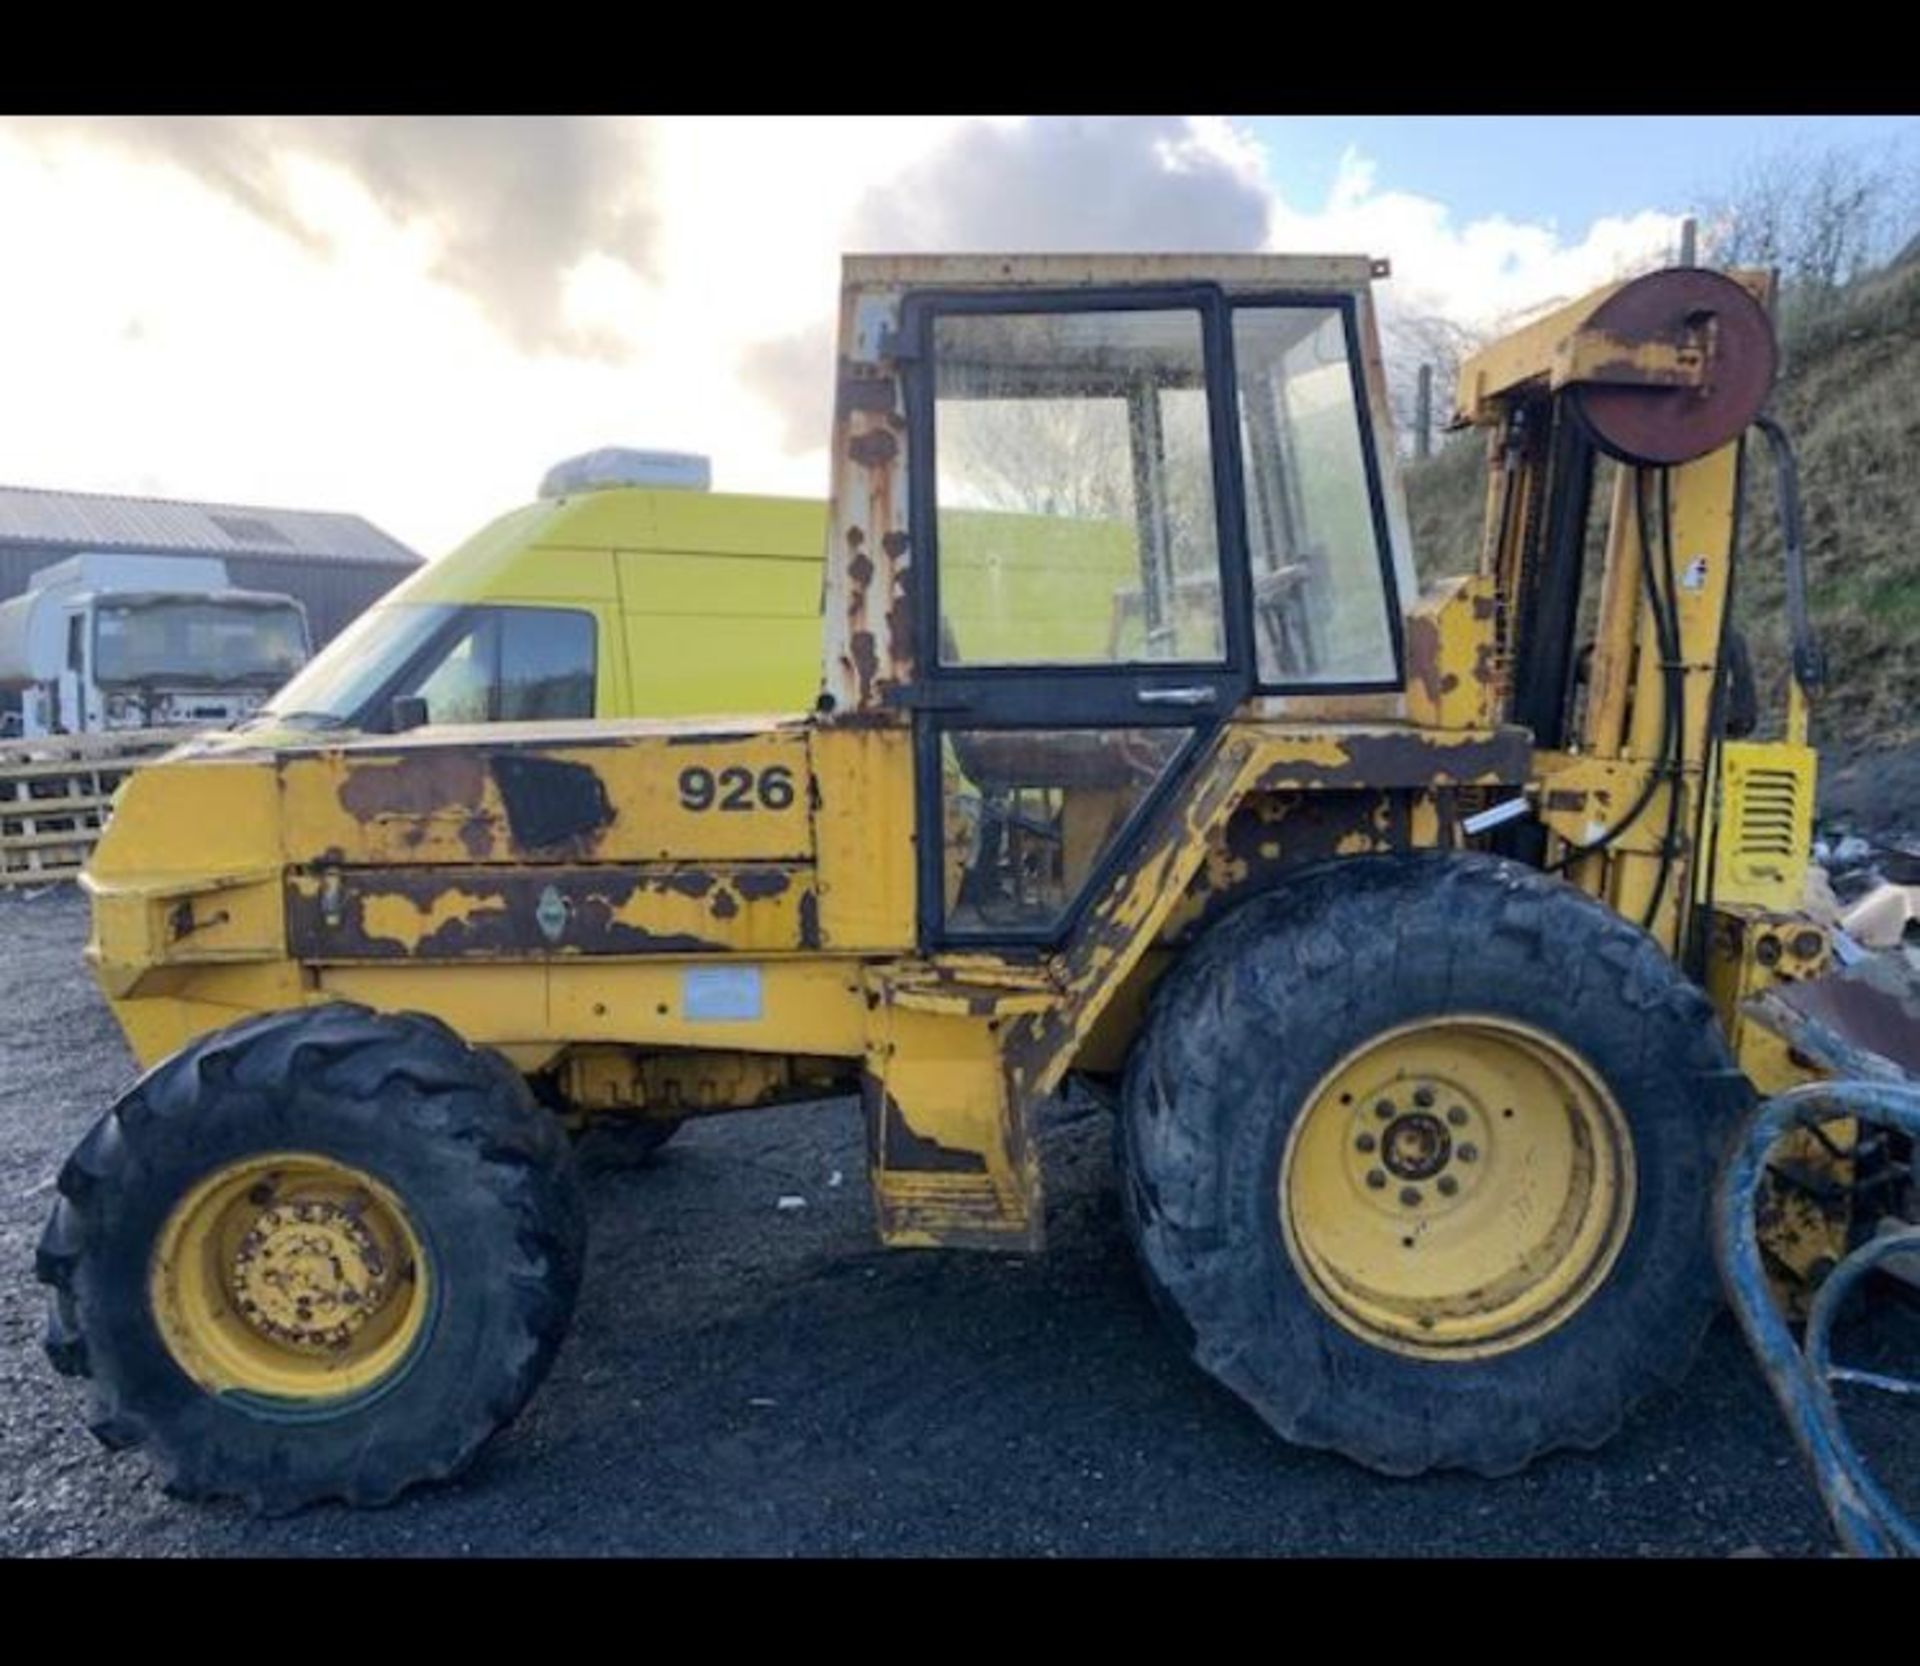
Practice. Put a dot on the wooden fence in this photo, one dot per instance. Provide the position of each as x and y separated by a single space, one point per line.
55 793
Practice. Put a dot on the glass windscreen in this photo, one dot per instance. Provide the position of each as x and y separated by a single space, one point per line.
197 640
1320 600
1074 489
352 668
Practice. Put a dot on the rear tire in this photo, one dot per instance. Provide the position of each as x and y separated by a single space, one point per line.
1592 1032
212 1157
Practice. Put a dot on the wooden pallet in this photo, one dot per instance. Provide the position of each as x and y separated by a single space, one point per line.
55 795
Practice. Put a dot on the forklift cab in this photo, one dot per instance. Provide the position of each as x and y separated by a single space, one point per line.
1130 508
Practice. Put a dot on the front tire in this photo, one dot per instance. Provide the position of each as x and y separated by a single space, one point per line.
1417 1151
324 1253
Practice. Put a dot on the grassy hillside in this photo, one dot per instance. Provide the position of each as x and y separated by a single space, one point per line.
1849 395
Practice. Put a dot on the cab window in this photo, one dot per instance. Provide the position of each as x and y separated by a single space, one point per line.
1322 611
1074 490
510 665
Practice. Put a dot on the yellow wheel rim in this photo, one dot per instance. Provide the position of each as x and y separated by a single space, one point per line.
1457 1187
290 1276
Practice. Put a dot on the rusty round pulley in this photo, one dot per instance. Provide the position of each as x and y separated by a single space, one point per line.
1681 306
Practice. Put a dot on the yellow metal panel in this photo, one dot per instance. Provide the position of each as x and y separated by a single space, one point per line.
865 836
807 1005
646 793
952 1160
488 1005
171 1006
1518 357
212 816
1536 351
1452 678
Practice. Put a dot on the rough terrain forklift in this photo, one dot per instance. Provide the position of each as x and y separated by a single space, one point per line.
1413 942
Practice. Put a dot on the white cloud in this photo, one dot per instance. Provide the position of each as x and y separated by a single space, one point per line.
1483 273
281 330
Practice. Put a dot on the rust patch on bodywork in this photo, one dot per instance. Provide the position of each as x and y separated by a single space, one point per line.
761 882
1271 834
874 449
894 1145
1407 758
866 393
1857 1021
418 783
538 913
1423 658
552 805
868 619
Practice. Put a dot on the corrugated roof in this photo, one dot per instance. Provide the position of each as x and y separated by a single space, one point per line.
39 519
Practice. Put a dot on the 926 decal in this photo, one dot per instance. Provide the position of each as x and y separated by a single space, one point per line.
736 788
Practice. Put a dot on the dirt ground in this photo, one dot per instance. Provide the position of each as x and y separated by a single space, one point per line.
743 1380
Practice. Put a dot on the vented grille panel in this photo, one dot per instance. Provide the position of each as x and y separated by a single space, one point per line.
1766 823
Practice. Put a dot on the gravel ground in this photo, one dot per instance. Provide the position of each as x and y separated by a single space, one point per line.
743 1380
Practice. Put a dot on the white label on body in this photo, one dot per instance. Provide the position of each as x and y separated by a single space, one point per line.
720 994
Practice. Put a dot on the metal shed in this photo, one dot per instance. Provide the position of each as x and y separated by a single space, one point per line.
334 563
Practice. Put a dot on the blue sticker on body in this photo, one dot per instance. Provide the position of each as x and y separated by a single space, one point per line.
710 994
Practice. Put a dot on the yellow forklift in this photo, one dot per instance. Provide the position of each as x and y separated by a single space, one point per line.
1413 940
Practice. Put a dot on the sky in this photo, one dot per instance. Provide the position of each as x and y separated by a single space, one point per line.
411 318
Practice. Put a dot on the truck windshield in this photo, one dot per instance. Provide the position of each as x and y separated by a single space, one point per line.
351 669
198 639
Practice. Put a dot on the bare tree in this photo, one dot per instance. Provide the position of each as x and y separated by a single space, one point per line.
1820 217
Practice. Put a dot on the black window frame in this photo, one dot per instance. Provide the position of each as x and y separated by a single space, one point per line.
918 313
1081 695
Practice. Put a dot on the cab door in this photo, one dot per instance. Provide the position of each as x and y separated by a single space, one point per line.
1082 626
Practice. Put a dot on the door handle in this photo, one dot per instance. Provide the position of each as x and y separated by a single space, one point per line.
1175 696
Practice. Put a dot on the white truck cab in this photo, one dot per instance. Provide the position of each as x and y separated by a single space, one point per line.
100 642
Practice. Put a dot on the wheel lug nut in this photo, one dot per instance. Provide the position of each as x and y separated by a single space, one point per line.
1376 1178
1448 1185
1410 1196
1457 1115
1423 1096
1468 1152
1383 1109
1364 1143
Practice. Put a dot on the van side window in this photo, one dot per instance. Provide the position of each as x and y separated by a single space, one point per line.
511 665
546 664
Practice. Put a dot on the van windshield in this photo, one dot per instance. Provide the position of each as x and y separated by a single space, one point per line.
351 669
197 640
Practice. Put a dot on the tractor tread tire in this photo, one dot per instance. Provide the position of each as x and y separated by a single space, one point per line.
1248 1023
489 1183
